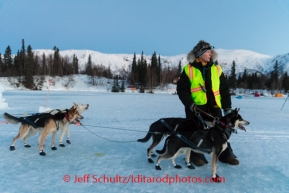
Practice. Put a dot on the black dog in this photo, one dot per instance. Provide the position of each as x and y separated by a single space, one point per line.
158 131
214 140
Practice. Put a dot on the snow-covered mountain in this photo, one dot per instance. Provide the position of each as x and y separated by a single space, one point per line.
283 63
252 61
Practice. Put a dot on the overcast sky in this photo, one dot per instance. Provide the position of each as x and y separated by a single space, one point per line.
167 27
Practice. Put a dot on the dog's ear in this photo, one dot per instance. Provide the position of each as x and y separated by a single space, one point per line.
238 109
74 104
73 108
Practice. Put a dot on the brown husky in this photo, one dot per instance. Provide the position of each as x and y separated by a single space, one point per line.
45 123
65 129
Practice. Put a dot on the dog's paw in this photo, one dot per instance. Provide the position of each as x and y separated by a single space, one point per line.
27 146
54 148
178 166
153 155
12 148
190 166
216 179
68 141
61 145
42 153
158 167
150 160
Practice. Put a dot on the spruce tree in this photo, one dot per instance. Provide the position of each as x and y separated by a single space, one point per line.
153 72
232 77
250 81
8 62
22 57
122 88
28 71
44 65
88 69
134 71
275 75
36 65
159 72
56 63
142 73
1 65
285 82
245 75
115 85
17 65
75 64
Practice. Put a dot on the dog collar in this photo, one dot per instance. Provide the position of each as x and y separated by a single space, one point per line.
66 116
224 124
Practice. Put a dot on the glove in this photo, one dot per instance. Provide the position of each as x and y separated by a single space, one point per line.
193 107
227 111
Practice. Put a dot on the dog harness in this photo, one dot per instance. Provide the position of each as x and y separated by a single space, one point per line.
38 120
184 139
199 135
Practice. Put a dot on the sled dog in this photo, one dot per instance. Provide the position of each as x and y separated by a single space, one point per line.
157 132
66 128
214 140
45 123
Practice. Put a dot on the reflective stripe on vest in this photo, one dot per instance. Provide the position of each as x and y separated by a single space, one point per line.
198 95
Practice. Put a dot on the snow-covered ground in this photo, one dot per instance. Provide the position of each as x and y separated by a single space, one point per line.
3 104
107 147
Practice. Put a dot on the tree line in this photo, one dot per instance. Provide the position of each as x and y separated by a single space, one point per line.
25 64
276 80
142 74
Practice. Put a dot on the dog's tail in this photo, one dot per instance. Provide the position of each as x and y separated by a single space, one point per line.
146 138
11 119
164 148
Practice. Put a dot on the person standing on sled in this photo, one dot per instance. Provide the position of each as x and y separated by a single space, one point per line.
203 85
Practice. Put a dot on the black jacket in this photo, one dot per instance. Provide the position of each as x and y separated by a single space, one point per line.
184 91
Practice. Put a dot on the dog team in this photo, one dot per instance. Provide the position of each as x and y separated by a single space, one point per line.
182 135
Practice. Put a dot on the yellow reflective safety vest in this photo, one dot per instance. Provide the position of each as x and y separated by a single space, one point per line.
198 95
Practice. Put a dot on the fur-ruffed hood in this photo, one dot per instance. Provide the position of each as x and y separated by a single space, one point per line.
191 56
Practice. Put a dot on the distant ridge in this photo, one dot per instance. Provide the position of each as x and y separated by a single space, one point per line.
252 61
